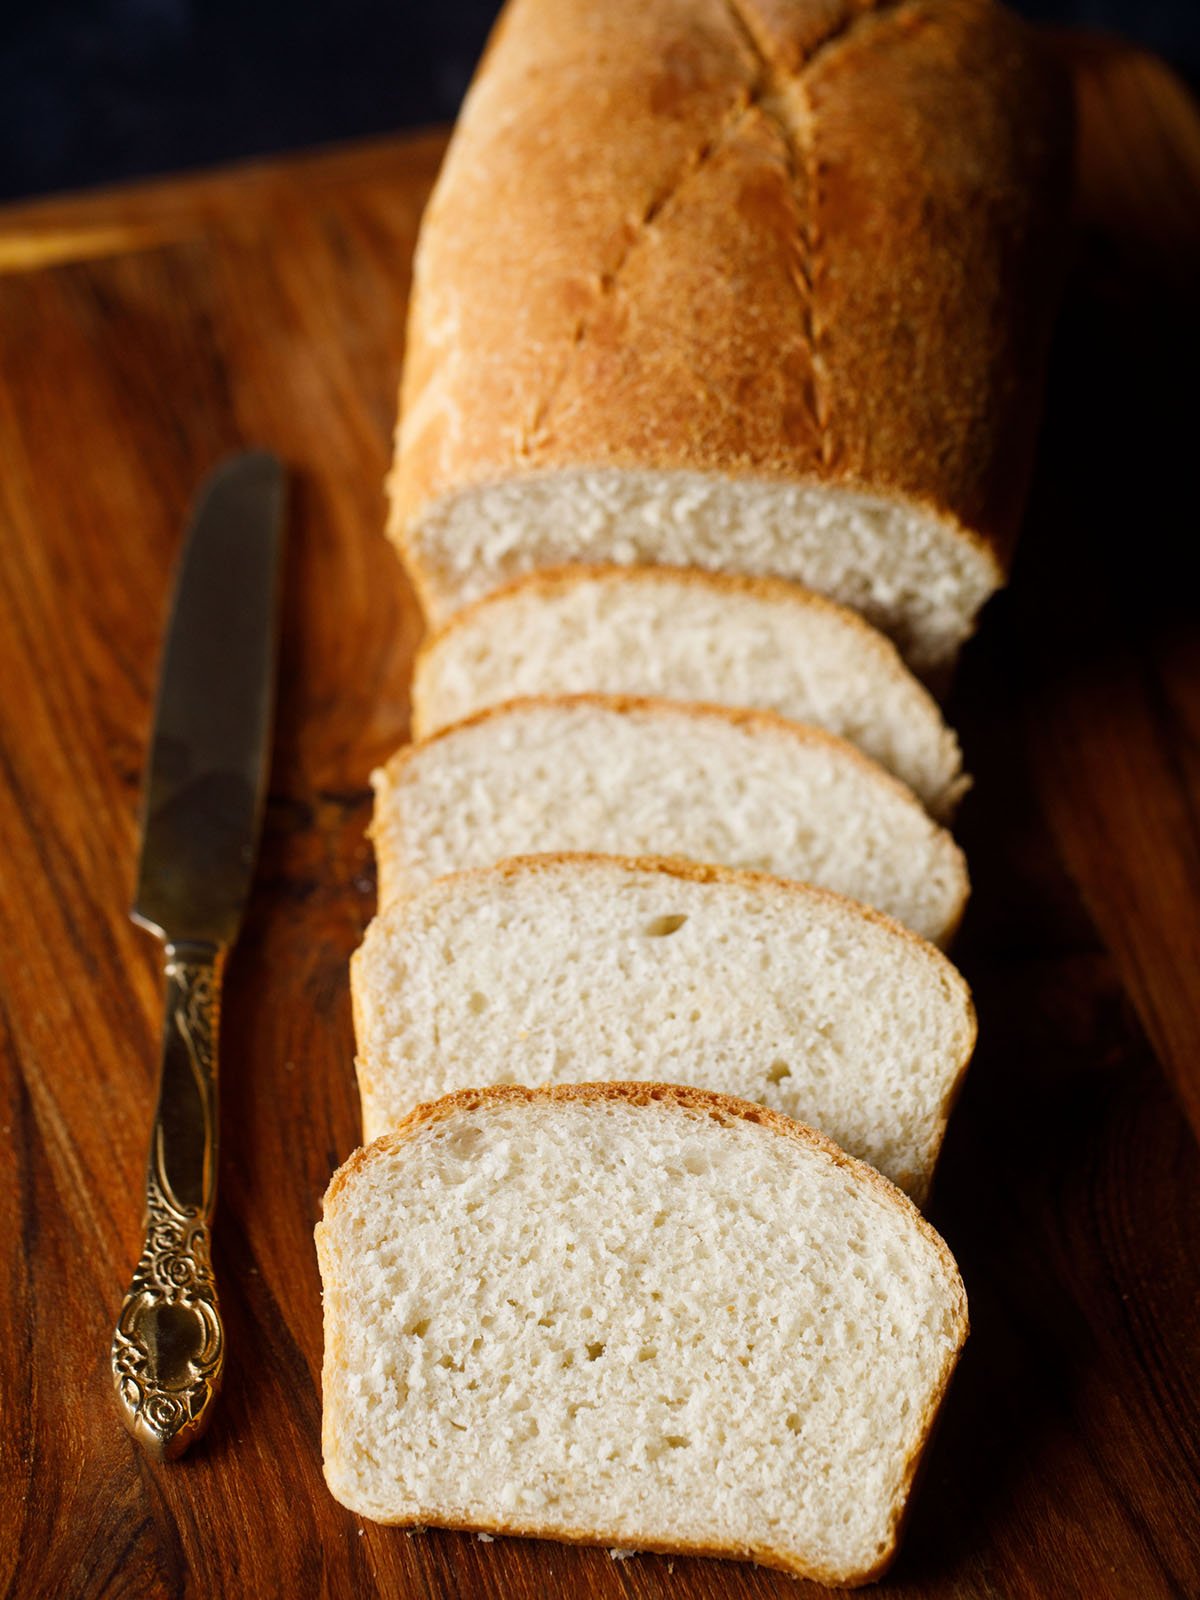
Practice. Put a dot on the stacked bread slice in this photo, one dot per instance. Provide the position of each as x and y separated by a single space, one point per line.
596 1278
643 1315
724 352
632 776
569 968
687 635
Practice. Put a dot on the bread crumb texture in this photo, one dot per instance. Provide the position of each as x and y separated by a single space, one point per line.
652 777
645 1317
690 635
575 969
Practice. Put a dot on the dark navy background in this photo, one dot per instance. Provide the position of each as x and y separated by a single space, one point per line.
95 90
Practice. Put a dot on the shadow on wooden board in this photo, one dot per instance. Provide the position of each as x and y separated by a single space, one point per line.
1073 1151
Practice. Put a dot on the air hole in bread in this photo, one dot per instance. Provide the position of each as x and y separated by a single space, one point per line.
662 926
777 1071
463 1142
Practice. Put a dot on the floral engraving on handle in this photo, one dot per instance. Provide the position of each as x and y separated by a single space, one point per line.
168 1348
168 1344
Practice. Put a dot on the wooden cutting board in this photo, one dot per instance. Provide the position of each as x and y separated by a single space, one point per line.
143 333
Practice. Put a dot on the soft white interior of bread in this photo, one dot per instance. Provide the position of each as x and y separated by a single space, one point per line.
909 572
639 1324
687 638
652 778
592 968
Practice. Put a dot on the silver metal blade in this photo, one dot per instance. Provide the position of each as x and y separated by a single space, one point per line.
206 774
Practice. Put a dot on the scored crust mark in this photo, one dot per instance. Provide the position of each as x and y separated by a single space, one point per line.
783 99
768 96
810 235
737 113
801 172
777 94
793 64
804 170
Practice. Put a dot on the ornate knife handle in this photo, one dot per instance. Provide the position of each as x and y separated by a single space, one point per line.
169 1347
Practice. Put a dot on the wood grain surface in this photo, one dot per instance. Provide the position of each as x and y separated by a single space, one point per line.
144 333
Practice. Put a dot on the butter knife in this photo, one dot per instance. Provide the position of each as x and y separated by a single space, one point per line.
202 802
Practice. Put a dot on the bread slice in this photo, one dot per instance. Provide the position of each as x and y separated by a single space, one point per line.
625 776
564 969
689 635
753 287
632 1315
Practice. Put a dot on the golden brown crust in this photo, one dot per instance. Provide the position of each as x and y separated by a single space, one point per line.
721 1108
557 580
891 178
390 865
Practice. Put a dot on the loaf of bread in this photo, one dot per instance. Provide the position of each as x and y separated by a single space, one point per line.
632 1315
689 635
760 287
622 776
568 969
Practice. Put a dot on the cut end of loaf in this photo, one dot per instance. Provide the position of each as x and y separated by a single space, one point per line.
916 575
632 1315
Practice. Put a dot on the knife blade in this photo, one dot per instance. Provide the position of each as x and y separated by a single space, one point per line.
205 783
207 766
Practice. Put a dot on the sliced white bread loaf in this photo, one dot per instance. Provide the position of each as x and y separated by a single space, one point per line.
690 635
759 288
632 1315
570 969
624 776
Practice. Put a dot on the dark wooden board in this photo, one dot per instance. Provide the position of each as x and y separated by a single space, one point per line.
143 333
